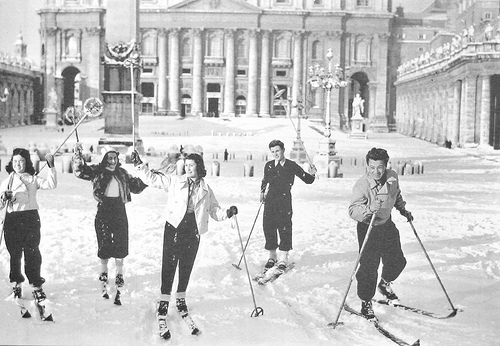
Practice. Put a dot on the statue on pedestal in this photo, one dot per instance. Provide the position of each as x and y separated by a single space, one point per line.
358 106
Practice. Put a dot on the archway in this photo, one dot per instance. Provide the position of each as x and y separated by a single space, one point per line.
69 75
359 85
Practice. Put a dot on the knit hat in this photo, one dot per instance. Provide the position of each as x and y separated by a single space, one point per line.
108 149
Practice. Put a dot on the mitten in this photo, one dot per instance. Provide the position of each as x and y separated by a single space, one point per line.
375 205
7 196
50 160
406 214
134 157
232 211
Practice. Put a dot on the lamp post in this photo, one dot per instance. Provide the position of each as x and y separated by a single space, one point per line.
328 80
132 62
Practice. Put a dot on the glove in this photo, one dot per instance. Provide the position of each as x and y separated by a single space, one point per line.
134 157
374 207
77 160
406 214
50 160
231 211
78 149
7 196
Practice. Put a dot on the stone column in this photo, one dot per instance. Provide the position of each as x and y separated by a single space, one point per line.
197 105
229 99
456 114
297 70
174 81
253 67
162 72
379 122
265 80
94 81
484 132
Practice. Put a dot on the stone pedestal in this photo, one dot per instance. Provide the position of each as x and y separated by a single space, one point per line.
51 116
298 154
325 155
357 122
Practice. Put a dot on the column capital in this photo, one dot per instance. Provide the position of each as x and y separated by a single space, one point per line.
94 30
162 32
298 33
252 33
265 33
383 35
197 32
51 31
334 34
229 32
174 31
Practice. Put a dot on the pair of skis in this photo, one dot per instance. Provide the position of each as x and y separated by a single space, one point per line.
271 274
40 306
105 295
396 304
164 332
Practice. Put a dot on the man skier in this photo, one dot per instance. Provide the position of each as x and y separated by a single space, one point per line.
376 193
279 175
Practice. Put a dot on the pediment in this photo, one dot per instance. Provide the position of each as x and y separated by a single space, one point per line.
234 6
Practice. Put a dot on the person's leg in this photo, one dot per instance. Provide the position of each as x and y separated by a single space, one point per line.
393 259
367 273
169 259
13 242
189 241
31 243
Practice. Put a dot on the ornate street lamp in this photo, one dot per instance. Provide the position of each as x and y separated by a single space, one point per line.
5 96
329 80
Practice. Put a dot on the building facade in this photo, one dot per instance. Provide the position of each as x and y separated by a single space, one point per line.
450 94
231 57
20 89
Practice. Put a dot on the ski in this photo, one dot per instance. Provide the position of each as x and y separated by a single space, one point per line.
189 321
162 326
273 273
118 296
415 310
25 313
380 329
104 289
41 307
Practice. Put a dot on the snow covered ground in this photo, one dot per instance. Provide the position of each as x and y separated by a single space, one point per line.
455 204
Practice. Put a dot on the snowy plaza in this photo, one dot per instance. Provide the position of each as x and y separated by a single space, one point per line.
455 203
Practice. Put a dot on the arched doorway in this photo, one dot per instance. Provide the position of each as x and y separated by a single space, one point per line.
71 86
359 85
185 105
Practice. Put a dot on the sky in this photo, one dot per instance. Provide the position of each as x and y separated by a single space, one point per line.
20 16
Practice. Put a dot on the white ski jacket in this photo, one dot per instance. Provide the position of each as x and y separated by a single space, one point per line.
177 189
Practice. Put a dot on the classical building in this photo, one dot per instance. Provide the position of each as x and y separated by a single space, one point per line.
450 93
20 88
230 57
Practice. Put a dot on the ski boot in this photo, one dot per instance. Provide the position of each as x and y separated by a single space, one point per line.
103 278
384 287
161 315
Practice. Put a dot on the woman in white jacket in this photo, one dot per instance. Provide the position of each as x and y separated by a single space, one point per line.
22 221
190 202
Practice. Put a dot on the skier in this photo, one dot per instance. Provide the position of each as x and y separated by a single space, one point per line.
279 175
22 221
112 186
189 203
377 192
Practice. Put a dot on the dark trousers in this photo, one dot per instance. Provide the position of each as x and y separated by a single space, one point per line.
277 220
383 244
111 228
180 246
22 235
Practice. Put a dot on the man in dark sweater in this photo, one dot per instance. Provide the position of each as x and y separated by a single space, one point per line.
279 175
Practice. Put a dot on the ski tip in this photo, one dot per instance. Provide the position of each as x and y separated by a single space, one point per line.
25 314
49 318
117 302
196 331
335 324
416 343
165 335
237 266
105 296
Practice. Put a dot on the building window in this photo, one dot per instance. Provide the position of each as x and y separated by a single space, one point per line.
282 48
147 70
148 45
148 89
186 71
316 50
72 44
241 105
422 36
147 108
362 50
318 2
242 72
280 73
241 48
282 1
362 3
487 15
214 45
186 47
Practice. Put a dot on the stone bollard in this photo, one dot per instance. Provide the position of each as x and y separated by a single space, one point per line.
67 164
215 156
248 170
58 164
35 159
180 167
249 157
333 169
215 169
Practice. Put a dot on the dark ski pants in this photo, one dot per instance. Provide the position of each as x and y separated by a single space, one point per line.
277 221
383 244
180 246
22 235
111 228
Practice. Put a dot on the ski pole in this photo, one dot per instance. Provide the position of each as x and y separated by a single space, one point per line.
258 310
248 239
92 107
434 269
370 227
